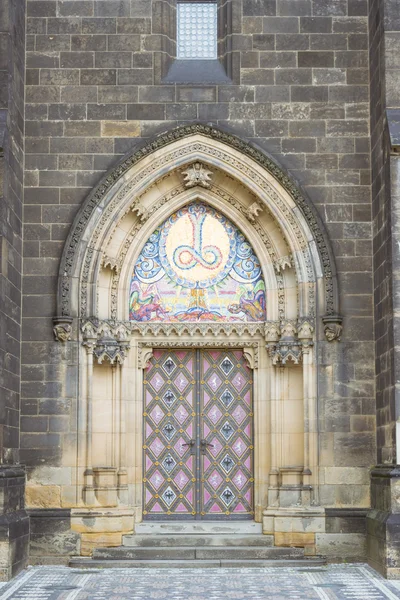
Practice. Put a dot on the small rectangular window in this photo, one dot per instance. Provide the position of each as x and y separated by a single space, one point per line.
197 31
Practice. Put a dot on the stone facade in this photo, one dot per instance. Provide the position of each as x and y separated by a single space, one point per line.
305 82
14 523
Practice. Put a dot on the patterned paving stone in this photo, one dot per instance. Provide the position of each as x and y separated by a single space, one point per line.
335 582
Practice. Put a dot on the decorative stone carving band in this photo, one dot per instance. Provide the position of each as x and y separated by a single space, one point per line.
74 241
106 342
250 350
285 352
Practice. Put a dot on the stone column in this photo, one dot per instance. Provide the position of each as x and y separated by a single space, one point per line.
122 474
88 490
271 337
310 472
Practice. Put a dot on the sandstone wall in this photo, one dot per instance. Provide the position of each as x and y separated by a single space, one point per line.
300 91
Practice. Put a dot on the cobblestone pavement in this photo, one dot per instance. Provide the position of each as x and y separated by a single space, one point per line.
335 582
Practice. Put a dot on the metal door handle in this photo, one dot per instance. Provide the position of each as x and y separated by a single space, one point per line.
191 445
203 446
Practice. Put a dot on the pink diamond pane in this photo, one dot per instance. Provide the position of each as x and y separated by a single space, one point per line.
157 480
247 463
189 463
149 398
181 414
149 496
206 366
157 447
189 496
239 480
215 479
206 430
214 382
247 430
180 354
149 463
206 496
247 398
239 381
149 430
181 508
189 398
180 448
157 414
216 447
214 414
248 496
206 399
189 366
156 508
189 430
215 508
240 508
181 480
239 447
181 382
239 414
157 382
206 463
215 354
157 354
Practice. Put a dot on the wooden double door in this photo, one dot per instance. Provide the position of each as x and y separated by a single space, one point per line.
198 436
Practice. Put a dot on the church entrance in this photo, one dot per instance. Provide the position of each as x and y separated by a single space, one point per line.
198 435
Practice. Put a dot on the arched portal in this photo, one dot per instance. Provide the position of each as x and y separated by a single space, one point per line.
134 300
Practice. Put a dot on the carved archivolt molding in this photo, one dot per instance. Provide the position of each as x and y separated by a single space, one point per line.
197 174
111 263
100 197
285 262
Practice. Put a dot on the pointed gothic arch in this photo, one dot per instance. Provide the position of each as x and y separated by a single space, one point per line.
197 164
119 191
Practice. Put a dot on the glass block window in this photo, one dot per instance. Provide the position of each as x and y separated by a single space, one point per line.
197 31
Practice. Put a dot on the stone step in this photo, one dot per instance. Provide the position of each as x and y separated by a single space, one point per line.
198 527
192 553
196 540
89 563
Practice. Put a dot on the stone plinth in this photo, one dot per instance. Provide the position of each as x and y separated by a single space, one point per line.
383 521
14 522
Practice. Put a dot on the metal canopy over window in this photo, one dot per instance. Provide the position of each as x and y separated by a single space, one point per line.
197 31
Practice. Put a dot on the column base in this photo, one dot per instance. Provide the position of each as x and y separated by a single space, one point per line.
101 527
295 527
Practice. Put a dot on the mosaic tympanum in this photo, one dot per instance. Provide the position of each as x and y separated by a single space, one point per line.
197 266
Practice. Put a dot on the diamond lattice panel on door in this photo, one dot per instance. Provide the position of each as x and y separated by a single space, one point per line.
227 432
198 422
169 422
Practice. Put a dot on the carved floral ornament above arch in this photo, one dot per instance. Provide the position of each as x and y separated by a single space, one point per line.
197 152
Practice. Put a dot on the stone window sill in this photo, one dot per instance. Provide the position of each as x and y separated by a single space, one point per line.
196 72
